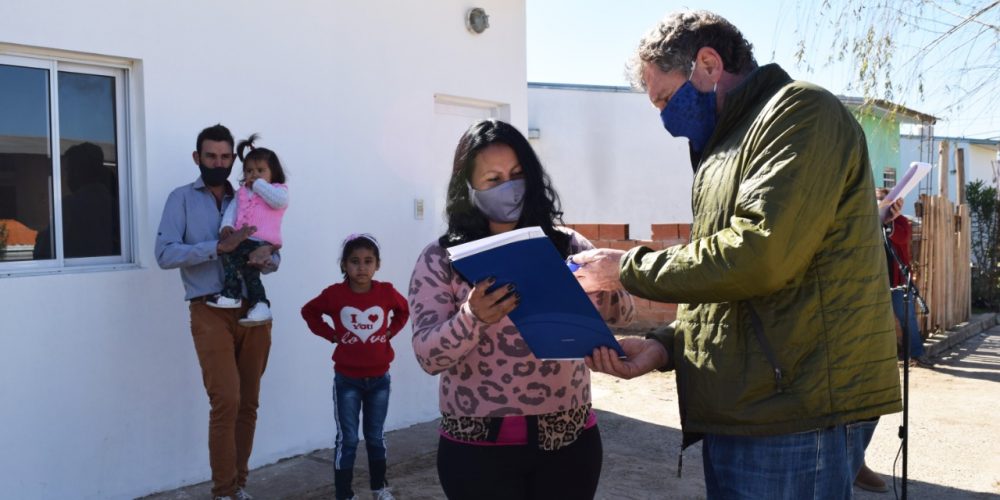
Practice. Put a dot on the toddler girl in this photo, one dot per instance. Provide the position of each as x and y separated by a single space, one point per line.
260 202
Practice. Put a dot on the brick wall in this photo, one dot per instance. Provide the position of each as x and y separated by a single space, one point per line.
649 314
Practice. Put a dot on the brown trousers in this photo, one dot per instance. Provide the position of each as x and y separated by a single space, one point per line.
232 359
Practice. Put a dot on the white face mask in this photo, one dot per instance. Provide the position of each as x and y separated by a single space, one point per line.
500 203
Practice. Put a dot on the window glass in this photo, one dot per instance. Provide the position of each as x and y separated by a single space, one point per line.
89 166
62 175
26 191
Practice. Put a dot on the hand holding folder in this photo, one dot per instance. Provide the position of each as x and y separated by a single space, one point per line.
555 316
491 303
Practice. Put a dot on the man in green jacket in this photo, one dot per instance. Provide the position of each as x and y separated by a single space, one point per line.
784 343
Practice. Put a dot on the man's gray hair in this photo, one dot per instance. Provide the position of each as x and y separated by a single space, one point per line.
673 43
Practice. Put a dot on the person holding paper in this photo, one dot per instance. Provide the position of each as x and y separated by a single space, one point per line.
783 343
911 178
512 426
899 232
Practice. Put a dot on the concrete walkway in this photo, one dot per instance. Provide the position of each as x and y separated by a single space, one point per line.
952 412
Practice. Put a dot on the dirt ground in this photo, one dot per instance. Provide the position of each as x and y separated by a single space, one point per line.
953 451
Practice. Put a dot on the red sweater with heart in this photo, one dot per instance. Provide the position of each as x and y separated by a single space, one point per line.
363 325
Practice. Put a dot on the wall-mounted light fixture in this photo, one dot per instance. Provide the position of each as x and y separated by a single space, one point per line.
476 20
534 133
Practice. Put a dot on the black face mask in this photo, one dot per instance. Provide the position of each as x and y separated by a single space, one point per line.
214 176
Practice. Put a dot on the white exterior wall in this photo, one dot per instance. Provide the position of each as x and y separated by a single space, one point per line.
980 164
102 394
610 159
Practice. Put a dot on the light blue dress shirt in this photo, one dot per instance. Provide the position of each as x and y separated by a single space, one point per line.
189 234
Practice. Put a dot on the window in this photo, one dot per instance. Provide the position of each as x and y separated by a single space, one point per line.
889 177
63 165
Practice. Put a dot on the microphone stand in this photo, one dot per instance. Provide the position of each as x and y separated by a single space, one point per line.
910 291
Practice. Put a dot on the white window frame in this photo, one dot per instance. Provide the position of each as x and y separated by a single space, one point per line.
121 72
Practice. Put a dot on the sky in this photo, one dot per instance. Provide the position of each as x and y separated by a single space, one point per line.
588 42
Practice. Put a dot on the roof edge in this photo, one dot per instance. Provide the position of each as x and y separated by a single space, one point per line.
885 107
582 87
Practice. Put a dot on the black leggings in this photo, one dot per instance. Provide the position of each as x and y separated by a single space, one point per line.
470 472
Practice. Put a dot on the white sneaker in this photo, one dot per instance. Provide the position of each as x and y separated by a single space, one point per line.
382 494
240 494
257 315
223 302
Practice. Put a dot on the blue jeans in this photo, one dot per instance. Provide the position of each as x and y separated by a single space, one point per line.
820 464
916 341
352 396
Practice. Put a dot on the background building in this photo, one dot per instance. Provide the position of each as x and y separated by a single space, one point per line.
364 102
609 156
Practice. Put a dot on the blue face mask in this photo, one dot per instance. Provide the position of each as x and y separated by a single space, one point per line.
690 113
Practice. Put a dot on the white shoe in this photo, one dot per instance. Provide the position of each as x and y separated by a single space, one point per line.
223 302
382 494
240 494
257 315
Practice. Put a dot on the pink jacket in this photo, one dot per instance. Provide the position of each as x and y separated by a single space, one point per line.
263 207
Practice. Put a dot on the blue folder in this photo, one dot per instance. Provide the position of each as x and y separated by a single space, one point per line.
555 317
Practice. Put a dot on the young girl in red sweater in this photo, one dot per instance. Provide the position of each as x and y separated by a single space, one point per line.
366 315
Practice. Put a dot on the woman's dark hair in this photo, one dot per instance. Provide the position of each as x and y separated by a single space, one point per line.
540 204
261 154
354 242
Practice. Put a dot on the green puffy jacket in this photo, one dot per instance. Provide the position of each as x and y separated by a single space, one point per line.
785 228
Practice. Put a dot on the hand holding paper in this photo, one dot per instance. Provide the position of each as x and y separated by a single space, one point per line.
911 178
598 269
893 211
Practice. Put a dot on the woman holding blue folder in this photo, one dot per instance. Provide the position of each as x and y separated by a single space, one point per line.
512 426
